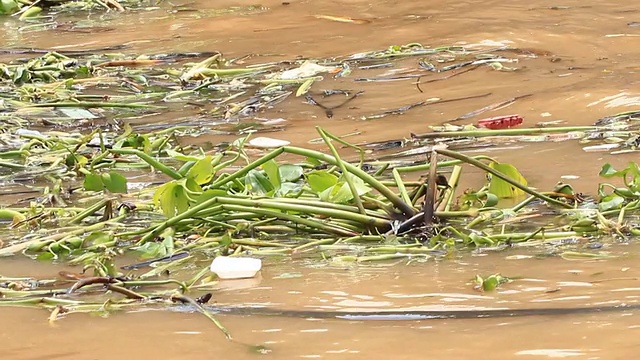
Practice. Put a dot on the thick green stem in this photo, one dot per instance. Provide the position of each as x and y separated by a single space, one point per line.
343 168
373 182
89 211
149 160
400 185
245 170
297 220
441 164
79 231
450 192
478 164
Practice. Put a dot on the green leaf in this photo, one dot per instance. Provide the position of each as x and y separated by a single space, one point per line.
257 183
8 7
202 171
165 198
290 172
489 200
225 240
313 161
98 237
625 193
178 156
490 283
81 71
634 171
115 182
45 256
610 202
210 194
30 12
341 193
288 188
167 241
304 88
93 182
71 160
562 188
608 171
320 180
135 141
271 168
151 250
361 187
480 241
191 185
181 200
503 189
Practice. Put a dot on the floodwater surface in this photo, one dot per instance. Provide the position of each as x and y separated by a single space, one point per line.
445 285
584 65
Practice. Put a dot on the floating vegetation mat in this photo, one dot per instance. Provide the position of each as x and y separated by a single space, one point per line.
43 12
99 190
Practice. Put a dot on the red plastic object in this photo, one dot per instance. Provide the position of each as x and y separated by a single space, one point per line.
501 122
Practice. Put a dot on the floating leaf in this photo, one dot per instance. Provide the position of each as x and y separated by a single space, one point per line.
151 250
181 201
173 198
319 181
288 188
630 174
608 171
179 156
340 193
98 237
562 188
610 202
290 172
202 171
257 183
574 255
30 12
115 182
93 182
135 141
305 87
490 283
164 197
8 7
271 169
209 194
503 189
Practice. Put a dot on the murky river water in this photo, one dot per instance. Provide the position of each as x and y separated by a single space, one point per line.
589 53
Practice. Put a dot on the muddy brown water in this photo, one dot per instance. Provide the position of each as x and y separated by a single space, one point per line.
588 55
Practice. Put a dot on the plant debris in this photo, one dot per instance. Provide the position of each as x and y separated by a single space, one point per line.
90 187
